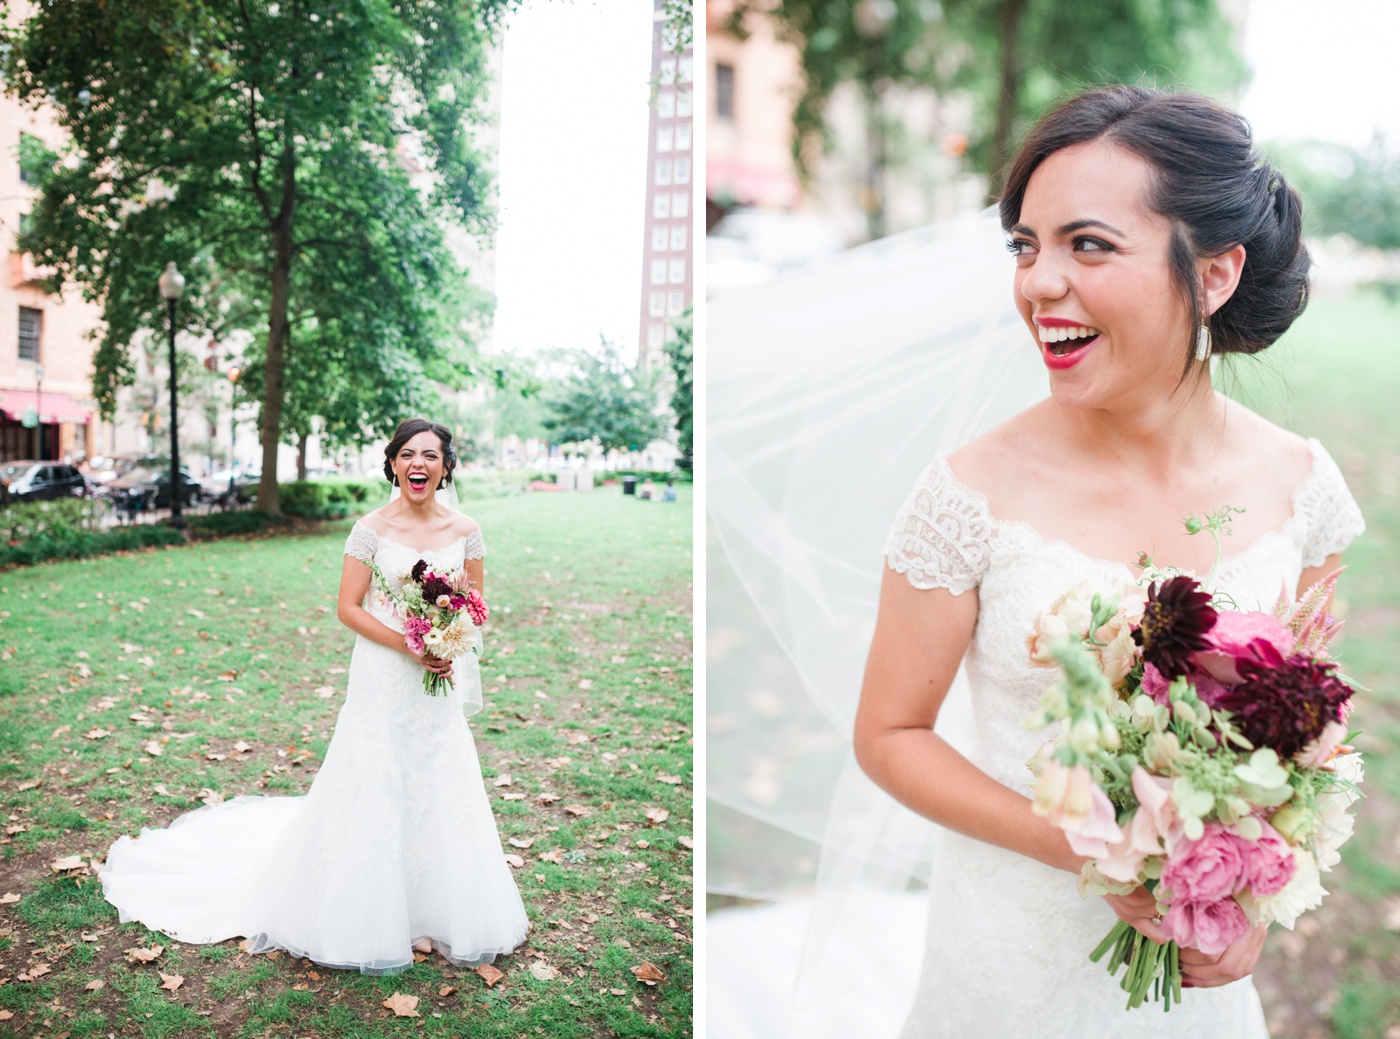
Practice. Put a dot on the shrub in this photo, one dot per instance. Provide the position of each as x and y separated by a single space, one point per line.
60 518
218 524
325 499
77 543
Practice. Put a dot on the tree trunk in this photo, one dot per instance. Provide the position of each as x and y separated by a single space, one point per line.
301 456
269 500
1006 97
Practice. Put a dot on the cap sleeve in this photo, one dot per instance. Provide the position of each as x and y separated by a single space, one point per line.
1331 516
942 534
362 543
475 547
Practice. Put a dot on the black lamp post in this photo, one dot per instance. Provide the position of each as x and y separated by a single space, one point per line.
172 285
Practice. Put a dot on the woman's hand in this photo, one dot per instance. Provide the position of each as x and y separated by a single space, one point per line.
1138 910
1200 970
436 665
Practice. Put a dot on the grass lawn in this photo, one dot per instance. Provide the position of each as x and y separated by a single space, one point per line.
1336 376
134 687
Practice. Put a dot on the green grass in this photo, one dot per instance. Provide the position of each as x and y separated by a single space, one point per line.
1335 376
588 698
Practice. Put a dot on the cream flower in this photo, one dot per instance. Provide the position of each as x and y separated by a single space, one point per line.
458 638
1302 893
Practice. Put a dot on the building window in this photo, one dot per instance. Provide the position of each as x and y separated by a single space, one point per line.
683 137
677 271
665 137
656 335
659 238
724 91
661 206
656 303
680 203
31 323
675 302
682 170
685 103
686 70
663 171
678 236
658 272
665 104
668 70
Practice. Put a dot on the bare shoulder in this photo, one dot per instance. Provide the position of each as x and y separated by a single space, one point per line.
1259 445
1003 457
374 521
464 526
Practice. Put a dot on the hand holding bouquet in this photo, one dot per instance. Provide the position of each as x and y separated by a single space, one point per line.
442 615
1202 756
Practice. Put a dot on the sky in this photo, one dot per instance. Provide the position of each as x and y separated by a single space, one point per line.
1322 69
572 181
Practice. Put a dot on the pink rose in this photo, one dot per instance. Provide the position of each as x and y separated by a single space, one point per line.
1205 870
1211 927
417 626
1268 862
1257 637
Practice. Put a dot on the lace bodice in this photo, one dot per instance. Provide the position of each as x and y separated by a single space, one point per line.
945 536
395 560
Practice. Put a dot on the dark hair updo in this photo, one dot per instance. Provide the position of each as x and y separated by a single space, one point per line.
410 428
1214 187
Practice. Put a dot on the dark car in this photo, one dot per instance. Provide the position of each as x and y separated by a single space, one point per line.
143 488
40 481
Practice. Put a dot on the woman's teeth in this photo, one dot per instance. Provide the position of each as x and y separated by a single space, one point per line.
1063 340
418 482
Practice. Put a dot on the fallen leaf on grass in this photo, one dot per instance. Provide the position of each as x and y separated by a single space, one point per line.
96 734
522 842
31 784
548 799
153 748
171 981
36 971
8 897
242 748
489 974
585 683
325 692
648 973
502 780
673 780
159 788
401 1005
210 797
543 971
516 861
215 757
656 816
5 1015
144 955
577 810
446 991
686 842
513 797
555 855
66 863
94 985
88 937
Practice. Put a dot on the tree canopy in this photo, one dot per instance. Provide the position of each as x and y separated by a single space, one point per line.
271 151
595 398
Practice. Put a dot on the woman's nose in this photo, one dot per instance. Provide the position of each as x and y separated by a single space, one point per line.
1044 278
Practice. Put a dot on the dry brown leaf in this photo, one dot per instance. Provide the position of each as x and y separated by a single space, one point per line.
502 780
648 973
152 747
547 799
554 855
325 692
577 810
543 971
66 863
96 734
8 898
657 816
87 937
210 797
36 971
446 991
686 842
144 955
489 974
242 748
516 861
246 945
171 981
585 683
513 797
5 1015
94 984
402 1005
31 784
673 780
521 842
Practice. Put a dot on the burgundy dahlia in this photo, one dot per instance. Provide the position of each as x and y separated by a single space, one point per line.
1175 623
434 586
419 569
1285 707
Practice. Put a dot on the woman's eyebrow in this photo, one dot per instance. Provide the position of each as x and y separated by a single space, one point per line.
1070 228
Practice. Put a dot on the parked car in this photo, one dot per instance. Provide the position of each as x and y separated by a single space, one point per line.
216 485
40 481
143 488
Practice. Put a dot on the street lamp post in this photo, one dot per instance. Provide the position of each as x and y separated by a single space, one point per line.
172 285
39 410
233 374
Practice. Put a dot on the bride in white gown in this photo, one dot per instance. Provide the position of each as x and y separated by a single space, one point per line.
1147 236
394 848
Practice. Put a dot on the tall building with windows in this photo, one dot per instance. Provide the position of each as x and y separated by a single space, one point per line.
667 250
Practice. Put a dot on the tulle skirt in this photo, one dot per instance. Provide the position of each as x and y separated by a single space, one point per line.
395 842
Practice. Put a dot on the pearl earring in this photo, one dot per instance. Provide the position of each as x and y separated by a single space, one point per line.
1203 342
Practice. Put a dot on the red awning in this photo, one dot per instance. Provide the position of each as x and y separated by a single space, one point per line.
58 407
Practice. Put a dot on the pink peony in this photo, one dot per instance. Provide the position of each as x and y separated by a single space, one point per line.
417 626
1205 870
1155 685
1257 637
415 643
476 606
1268 862
1211 927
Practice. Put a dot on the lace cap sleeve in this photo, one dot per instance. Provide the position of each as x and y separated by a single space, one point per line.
474 547
942 534
1331 516
362 543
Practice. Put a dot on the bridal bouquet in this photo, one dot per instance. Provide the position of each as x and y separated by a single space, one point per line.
442 615
1203 755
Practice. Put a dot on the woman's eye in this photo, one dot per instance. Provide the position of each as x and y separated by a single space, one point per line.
1020 246
1091 245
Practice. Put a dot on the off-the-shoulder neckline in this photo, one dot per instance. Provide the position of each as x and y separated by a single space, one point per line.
1315 471
420 551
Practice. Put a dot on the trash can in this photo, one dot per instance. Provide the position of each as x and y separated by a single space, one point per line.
629 485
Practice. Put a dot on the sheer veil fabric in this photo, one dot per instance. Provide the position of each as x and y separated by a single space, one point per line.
828 392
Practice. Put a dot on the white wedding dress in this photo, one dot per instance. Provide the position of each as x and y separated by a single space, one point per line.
1008 940
394 842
